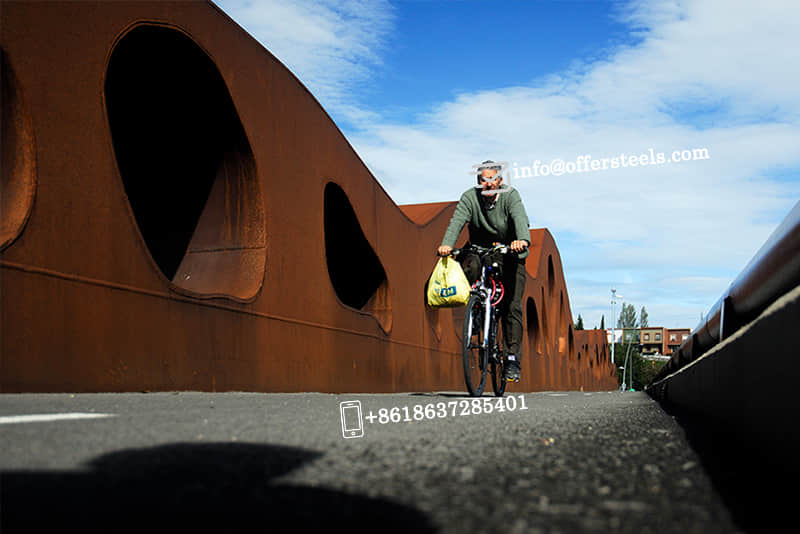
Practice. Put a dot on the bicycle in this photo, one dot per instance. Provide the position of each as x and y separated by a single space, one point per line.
481 351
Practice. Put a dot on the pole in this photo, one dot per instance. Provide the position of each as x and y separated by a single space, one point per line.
625 367
631 372
627 363
640 353
613 324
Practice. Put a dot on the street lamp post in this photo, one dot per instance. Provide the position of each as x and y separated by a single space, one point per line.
631 384
628 365
613 319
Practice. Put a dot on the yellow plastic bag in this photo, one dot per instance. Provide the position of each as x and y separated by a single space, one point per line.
447 286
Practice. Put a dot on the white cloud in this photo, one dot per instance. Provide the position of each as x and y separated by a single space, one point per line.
702 74
330 45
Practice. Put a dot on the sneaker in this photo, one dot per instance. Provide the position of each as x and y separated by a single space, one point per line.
512 371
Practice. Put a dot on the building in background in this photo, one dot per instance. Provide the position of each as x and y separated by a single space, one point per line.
652 340
675 337
659 340
623 335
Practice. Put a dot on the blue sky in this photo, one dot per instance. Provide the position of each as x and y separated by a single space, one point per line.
448 84
441 49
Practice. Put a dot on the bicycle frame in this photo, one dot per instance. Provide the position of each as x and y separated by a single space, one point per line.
486 298
487 295
484 354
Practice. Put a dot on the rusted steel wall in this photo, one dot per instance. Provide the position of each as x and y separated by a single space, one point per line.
179 213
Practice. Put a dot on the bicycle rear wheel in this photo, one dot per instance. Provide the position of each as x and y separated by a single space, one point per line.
474 356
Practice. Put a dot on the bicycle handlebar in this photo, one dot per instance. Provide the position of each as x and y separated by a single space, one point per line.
482 251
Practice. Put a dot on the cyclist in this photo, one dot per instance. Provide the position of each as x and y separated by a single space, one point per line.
496 214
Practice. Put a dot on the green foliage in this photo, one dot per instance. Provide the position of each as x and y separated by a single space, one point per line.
579 324
643 370
602 322
627 317
648 371
643 318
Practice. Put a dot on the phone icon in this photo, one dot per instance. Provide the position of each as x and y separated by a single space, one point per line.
352 426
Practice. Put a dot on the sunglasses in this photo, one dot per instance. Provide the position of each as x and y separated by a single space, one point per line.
490 179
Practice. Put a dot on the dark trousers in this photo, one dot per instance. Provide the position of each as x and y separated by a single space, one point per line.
514 278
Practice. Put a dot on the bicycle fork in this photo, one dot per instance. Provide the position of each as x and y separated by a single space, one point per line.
487 319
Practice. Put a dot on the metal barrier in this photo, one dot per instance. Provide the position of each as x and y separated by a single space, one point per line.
773 271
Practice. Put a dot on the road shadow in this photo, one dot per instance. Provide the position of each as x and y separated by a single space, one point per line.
215 487
756 481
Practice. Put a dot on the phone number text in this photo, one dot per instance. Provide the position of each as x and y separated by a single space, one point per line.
440 410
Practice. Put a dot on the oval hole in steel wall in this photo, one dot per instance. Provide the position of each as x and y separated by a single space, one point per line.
571 342
548 335
186 164
564 330
18 164
532 323
356 273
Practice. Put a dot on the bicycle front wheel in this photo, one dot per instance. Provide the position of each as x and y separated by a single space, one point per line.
499 379
497 366
474 356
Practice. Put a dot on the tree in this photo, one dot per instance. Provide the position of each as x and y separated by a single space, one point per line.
643 370
643 318
627 317
579 324
602 322
648 371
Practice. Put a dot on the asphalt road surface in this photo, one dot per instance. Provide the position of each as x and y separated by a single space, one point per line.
432 462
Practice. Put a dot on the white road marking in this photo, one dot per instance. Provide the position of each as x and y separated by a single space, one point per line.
46 417
559 394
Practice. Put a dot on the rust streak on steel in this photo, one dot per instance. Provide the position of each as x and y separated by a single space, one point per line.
146 244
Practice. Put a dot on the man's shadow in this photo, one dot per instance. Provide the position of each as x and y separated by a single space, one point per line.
215 487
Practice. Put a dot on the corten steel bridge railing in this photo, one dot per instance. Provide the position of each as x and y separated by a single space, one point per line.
772 272
145 244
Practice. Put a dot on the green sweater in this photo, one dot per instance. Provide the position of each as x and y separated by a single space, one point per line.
504 223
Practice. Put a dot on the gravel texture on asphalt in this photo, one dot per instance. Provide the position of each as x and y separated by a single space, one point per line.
570 462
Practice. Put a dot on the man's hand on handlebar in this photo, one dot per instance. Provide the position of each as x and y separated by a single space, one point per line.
519 245
516 246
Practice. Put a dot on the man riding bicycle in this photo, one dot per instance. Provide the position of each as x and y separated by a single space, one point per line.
496 214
